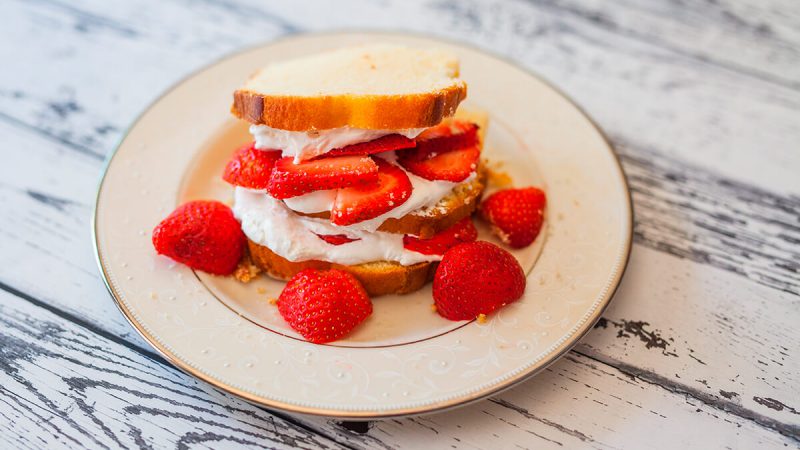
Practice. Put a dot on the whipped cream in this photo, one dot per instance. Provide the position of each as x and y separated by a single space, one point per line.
304 145
270 223
313 202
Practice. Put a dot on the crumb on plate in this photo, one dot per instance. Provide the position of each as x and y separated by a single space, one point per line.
246 271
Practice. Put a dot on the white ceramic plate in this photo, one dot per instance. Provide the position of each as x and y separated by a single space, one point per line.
404 359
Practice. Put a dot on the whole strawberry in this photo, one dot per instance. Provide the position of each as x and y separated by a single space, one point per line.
516 215
202 234
476 278
324 305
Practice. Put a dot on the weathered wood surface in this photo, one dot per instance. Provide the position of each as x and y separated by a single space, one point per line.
88 389
699 346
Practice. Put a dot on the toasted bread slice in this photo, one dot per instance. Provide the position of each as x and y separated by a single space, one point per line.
372 87
378 278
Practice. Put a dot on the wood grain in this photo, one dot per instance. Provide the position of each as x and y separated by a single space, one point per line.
649 91
65 386
627 84
701 99
92 391
696 214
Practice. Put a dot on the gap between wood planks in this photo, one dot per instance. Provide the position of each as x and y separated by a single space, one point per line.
654 43
626 369
151 355
42 132
596 18
632 157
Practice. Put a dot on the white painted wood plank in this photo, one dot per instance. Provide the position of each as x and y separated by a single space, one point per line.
67 387
707 331
644 94
753 37
75 388
592 406
607 72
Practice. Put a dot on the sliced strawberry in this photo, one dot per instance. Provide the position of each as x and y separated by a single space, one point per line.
454 165
382 144
463 231
369 200
250 167
336 239
290 180
442 138
446 128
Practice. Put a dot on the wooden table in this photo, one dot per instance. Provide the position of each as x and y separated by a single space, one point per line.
699 348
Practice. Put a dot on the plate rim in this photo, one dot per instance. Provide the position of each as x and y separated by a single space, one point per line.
443 405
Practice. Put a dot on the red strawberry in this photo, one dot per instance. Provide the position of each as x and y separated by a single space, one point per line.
446 128
324 305
442 139
455 165
336 239
463 231
476 278
250 167
369 200
382 144
516 215
289 179
202 234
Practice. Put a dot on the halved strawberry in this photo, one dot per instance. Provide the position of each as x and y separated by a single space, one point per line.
455 165
290 180
476 278
336 239
463 231
442 138
204 235
516 215
382 144
369 200
250 167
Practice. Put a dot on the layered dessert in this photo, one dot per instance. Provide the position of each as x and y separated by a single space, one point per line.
361 178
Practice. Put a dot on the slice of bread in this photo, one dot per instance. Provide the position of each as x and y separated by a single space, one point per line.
378 278
373 87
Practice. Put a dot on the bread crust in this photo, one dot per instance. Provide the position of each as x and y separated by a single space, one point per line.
295 113
377 278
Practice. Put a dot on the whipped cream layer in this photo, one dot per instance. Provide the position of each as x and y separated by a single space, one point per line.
304 145
270 223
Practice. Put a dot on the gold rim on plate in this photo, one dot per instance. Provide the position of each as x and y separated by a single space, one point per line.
554 354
